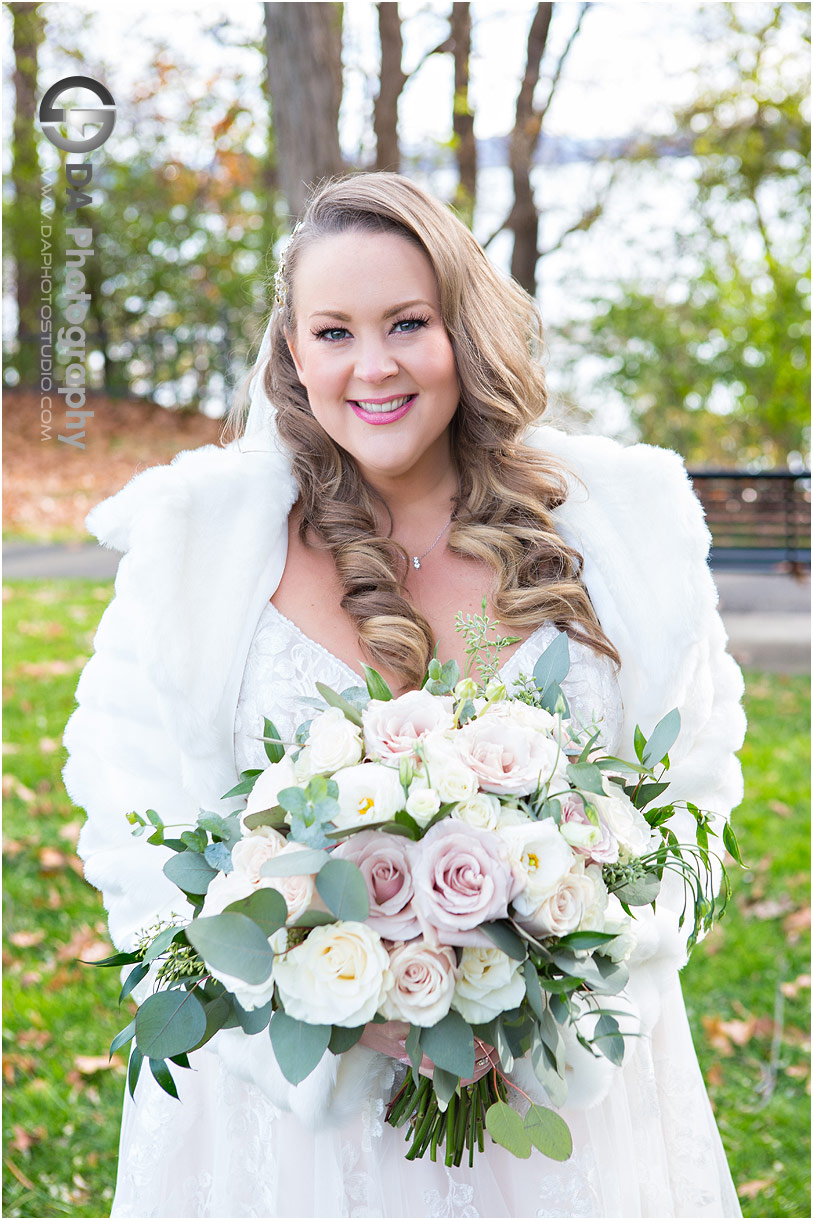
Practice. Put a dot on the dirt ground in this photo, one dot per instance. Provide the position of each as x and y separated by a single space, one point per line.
49 486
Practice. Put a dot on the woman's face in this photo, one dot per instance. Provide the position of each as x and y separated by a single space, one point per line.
373 354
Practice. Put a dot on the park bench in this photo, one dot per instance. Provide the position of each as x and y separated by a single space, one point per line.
757 521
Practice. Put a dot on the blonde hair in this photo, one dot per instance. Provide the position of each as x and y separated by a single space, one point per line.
507 489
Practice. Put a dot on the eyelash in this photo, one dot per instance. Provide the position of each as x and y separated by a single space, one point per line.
324 331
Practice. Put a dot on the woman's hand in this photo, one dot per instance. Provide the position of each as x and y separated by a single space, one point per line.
390 1039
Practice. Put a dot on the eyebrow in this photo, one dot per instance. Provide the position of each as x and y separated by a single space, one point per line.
343 317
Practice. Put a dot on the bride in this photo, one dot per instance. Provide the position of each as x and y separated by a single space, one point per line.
391 472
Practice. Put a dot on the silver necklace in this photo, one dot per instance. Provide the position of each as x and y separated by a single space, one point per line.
416 559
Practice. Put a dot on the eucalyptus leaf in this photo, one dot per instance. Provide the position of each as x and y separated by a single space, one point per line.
190 872
647 793
343 1038
295 864
292 800
662 738
253 1022
376 685
161 943
330 696
548 1132
298 1047
218 855
342 888
247 781
586 777
585 940
122 1038
450 1045
532 988
168 1023
608 1039
134 1070
502 1046
274 749
233 944
266 908
265 817
444 1084
640 891
413 1049
164 1077
505 1127
313 919
553 665
543 1062
505 938
133 979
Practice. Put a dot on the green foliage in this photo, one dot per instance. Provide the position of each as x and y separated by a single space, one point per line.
717 364
745 988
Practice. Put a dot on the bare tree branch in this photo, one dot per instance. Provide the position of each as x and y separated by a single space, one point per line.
542 110
392 79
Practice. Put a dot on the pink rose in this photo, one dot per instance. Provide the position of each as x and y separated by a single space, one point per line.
385 863
462 878
507 756
393 726
424 982
597 842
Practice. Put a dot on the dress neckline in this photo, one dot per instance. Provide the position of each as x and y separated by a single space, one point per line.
357 676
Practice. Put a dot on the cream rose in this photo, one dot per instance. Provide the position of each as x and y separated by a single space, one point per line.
625 822
268 785
487 983
333 742
506 756
223 890
368 793
481 810
423 983
524 714
563 911
392 727
338 976
595 902
584 836
297 890
616 920
252 851
448 775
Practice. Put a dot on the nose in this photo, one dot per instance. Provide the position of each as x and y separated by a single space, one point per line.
374 363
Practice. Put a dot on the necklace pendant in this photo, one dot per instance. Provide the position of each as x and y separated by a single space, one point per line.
416 563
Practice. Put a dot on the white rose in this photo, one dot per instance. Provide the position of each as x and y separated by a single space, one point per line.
368 793
252 851
303 767
423 983
506 756
540 858
338 976
482 810
563 910
422 802
524 714
595 903
333 742
448 775
269 784
392 727
625 822
488 982
616 920
224 889
296 890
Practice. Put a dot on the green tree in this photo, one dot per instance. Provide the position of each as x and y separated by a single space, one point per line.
717 366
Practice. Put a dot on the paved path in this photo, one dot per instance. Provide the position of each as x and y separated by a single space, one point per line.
767 615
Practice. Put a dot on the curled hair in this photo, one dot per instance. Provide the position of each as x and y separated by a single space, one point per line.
507 490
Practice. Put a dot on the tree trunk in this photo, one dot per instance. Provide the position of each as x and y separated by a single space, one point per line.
304 51
24 226
463 117
524 220
391 83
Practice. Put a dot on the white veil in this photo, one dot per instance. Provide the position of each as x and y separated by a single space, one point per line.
261 423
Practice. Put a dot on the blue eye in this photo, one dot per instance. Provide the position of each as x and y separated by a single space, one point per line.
331 333
412 324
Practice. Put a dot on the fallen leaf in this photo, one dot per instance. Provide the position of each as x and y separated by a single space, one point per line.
12 848
714 1076
721 1034
49 744
24 1140
50 669
88 1064
26 940
791 990
12 1063
70 831
52 860
750 1190
37 1038
780 808
768 908
86 944
798 1071
796 923
10 748
13 787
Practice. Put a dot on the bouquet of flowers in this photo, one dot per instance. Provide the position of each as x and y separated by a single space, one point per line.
450 875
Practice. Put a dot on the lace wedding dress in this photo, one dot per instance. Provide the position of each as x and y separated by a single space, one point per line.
651 1148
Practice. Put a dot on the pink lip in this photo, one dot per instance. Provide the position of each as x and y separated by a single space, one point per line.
373 417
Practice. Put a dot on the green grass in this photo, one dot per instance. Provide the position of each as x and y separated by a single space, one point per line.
61 1117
